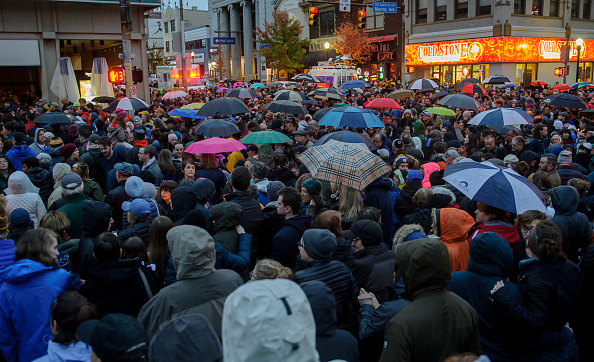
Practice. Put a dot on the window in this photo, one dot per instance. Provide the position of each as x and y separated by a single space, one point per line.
537 7
461 9
520 7
483 7
166 46
196 44
554 8
172 26
587 6
575 8
326 23
375 21
441 10
421 11
166 27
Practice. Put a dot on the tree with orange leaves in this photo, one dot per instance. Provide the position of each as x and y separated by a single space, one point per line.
351 42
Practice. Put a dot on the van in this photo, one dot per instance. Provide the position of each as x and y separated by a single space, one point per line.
334 76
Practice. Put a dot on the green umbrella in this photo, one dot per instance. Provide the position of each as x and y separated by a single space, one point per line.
440 111
336 105
261 137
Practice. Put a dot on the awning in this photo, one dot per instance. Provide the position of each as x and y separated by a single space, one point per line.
377 39
312 58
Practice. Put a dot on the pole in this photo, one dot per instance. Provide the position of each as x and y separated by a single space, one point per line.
125 17
567 49
183 44
577 69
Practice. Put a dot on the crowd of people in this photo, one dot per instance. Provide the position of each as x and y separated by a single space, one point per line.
117 245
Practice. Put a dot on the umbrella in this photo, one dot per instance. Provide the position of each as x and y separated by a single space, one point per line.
503 130
565 100
424 85
307 77
459 101
582 84
273 84
472 88
351 117
55 118
193 106
327 93
347 164
237 84
539 82
468 80
310 101
223 107
502 117
216 128
222 90
338 105
383 103
401 94
127 104
355 83
289 95
588 113
562 87
348 137
242 93
440 111
262 137
215 145
497 186
286 107
321 113
103 99
174 95
439 95
497 79
257 85
186 113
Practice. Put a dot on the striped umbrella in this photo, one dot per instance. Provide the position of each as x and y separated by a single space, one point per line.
579 85
347 164
289 95
242 93
502 117
497 79
424 85
127 104
472 88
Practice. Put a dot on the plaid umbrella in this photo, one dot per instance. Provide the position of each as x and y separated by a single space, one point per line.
347 164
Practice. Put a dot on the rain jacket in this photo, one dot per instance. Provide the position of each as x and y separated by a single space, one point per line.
75 351
377 194
7 251
97 217
284 243
373 270
17 154
58 172
418 131
25 299
429 167
226 217
437 323
453 226
43 180
183 200
252 214
507 231
200 289
73 209
36 147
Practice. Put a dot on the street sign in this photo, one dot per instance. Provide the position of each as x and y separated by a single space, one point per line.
344 6
133 91
385 7
218 41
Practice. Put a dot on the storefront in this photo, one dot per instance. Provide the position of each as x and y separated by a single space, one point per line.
521 59
384 60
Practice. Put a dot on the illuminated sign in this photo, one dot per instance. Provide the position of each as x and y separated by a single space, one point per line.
520 49
465 71
116 76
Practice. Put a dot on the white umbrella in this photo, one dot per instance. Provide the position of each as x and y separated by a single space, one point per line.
175 94
424 85
502 117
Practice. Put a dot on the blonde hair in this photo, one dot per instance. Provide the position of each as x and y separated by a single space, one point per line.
271 269
56 221
350 202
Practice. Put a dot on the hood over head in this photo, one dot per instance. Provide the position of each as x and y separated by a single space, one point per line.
204 189
490 255
192 251
429 168
22 270
381 182
226 215
323 306
60 169
97 218
120 154
452 224
407 233
183 200
564 200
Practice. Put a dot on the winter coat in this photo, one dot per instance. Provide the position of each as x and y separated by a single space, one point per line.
403 204
574 226
141 230
183 200
331 343
17 154
29 201
429 168
582 326
419 216
377 194
97 218
218 178
73 209
539 145
282 174
153 167
25 299
490 261
410 335
507 231
93 190
566 173
58 172
284 243
452 226
271 224
94 159
43 180
373 270
117 287
7 251
75 351
200 289
115 198
238 261
154 206
226 217
252 214
343 252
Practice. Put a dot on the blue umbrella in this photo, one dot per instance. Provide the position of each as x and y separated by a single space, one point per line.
355 83
186 113
351 117
347 137
502 117
257 85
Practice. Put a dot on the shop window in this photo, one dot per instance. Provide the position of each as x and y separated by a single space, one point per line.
166 27
483 7
167 47
172 26
554 8
461 9
520 7
421 11
375 21
326 23
587 6
441 10
575 8
537 7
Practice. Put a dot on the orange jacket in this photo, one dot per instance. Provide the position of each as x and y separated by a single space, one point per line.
453 228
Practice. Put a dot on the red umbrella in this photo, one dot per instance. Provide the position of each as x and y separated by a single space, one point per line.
215 145
472 88
539 82
383 103
562 87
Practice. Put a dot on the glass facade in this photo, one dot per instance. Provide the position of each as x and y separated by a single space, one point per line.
452 74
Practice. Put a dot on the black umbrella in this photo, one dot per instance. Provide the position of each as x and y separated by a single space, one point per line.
497 79
439 95
310 101
55 118
286 107
565 100
307 77
348 137
216 128
321 113
103 99
289 95
327 93
223 107
273 84
465 81
242 93
127 104
588 113
459 101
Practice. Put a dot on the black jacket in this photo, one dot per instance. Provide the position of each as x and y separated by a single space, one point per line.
43 180
566 172
97 218
378 195
93 158
252 215
271 224
115 198
403 204
373 270
284 244
142 230
183 200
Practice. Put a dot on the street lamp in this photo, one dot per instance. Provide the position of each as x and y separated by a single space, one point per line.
214 67
327 46
579 42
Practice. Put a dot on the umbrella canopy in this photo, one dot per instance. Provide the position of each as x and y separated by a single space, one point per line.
185 112
539 82
347 164
383 103
289 95
497 186
237 84
562 87
582 84
127 104
351 117
327 93
497 79
502 117
215 145
55 118
273 84
459 101
355 83
262 137
401 94
286 107
347 137
257 85
321 113
193 106
242 93
424 85
468 80
307 77
216 128
310 101
439 95
588 113
175 94
472 88
565 100
440 111
223 107
103 99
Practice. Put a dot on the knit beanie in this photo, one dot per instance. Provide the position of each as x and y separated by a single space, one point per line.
120 113
556 150
564 157
67 150
319 243
438 201
313 186
134 187
272 189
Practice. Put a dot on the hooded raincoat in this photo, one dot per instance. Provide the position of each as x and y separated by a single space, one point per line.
453 226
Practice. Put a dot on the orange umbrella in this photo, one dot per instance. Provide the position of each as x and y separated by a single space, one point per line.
539 82
562 87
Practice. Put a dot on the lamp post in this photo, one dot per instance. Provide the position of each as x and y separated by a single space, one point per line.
579 42
327 46
214 67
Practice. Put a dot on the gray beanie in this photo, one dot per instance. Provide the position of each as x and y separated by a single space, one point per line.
272 189
134 187
319 243
564 157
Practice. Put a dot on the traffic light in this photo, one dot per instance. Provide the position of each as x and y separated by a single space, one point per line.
137 75
362 23
116 76
313 12
559 71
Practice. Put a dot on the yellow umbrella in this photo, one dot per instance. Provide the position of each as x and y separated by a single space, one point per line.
193 106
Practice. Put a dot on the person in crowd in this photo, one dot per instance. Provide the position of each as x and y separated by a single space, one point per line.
137 214
158 250
548 164
163 197
146 156
492 219
42 179
209 169
98 220
59 171
331 220
311 195
72 190
350 205
565 171
378 195
6 169
91 188
270 269
403 205
189 173
452 227
118 195
19 151
21 193
540 141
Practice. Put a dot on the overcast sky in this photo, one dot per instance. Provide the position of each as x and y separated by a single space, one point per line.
201 4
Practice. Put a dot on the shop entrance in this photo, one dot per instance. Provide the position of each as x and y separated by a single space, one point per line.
526 73
452 74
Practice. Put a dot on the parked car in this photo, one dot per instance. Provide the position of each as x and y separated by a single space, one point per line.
153 80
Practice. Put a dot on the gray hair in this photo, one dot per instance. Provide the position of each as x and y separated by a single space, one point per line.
258 169
45 160
78 190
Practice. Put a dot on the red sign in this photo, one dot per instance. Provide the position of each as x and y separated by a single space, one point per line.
518 49
465 71
116 76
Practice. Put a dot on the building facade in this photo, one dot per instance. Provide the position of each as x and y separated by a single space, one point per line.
193 18
198 47
522 39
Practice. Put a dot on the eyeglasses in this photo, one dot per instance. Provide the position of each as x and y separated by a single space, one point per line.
527 230
300 244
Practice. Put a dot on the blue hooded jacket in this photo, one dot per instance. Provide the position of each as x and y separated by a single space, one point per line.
378 194
17 154
25 299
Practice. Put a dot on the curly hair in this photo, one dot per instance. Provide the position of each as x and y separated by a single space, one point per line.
545 242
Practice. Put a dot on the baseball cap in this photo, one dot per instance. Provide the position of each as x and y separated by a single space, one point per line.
19 218
300 132
116 337
414 176
138 207
124 168
94 137
71 181
369 231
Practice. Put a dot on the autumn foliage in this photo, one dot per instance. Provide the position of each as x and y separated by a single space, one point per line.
352 42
